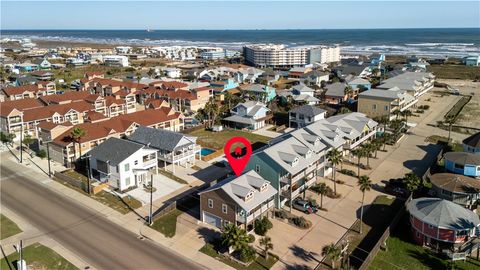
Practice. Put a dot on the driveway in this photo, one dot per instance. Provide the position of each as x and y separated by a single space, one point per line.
163 186
267 133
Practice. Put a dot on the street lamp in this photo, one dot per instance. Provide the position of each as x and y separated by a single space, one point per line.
88 172
48 158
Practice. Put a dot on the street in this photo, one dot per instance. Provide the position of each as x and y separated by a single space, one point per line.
92 237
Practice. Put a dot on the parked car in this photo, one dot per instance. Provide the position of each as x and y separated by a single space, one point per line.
304 206
396 187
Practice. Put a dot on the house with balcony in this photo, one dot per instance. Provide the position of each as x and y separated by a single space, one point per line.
357 82
457 188
29 91
463 163
444 226
472 144
249 115
224 85
248 75
262 93
173 148
122 164
415 83
237 200
11 114
304 115
291 164
315 77
339 93
381 102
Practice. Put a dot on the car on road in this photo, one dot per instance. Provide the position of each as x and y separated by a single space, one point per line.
396 187
304 206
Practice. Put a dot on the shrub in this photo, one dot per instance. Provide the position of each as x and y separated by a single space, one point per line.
251 238
262 226
247 254
41 153
348 172
281 214
300 222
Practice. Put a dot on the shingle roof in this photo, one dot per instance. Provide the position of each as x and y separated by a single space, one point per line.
159 138
336 89
238 187
473 141
455 183
308 110
115 150
443 214
463 158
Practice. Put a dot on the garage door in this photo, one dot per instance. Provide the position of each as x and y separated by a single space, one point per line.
212 220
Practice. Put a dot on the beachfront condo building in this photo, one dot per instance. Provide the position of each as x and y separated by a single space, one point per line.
280 56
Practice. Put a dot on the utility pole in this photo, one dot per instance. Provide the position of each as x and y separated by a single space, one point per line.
21 144
48 158
151 200
88 173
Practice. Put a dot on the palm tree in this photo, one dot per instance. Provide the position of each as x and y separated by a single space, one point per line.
333 252
406 114
359 153
335 157
369 149
321 189
266 243
386 137
77 134
234 237
364 183
412 181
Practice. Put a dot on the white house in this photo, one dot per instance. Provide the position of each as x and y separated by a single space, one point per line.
305 115
123 49
250 115
173 72
121 163
115 60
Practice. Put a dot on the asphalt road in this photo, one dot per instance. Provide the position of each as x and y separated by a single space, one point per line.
95 239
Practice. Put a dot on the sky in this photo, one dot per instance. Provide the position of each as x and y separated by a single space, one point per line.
57 15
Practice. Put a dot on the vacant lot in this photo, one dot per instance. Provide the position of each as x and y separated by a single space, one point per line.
37 257
455 72
469 115
217 140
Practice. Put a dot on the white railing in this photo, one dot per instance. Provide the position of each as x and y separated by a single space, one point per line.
149 162
171 157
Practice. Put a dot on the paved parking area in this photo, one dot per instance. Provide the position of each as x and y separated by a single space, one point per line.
163 186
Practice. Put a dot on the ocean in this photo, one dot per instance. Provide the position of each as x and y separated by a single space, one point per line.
424 42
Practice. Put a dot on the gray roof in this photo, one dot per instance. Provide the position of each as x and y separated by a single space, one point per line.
455 183
159 138
308 110
237 188
240 119
115 150
473 141
463 158
443 214
302 88
391 94
336 89
406 80
358 80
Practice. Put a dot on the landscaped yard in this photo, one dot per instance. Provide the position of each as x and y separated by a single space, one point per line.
168 223
259 263
402 253
217 140
7 227
37 257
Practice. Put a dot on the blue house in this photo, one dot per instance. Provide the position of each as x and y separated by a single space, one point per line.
222 86
263 93
463 163
472 144
355 82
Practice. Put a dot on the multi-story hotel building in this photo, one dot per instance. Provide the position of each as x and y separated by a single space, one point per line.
278 56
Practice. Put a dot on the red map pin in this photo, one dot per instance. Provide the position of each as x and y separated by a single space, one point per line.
239 162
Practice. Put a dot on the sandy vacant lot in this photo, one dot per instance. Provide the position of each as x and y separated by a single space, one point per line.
470 114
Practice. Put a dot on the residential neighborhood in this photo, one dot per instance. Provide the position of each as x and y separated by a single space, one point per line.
239 149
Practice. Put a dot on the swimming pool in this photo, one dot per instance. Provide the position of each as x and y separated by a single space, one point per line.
206 151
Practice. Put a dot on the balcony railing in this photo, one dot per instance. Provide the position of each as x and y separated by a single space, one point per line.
264 208
172 157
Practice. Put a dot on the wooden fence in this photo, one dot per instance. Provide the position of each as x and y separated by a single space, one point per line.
71 181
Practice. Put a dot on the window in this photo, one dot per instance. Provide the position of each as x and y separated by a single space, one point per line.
430 226
224 208
257 168
374 106
417 234
301 116
135 162
127 167
458 166
210 203
386 108
127 181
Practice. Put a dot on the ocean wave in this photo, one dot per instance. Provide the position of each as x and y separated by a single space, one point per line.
438 44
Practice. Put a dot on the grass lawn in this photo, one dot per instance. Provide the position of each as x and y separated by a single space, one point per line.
122 205
7 227
217 140
168 223
37 257
404 254
259 263
454 71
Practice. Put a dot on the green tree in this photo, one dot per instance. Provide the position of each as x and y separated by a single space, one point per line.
77 134
335 158
27 141
262 225
364 183
344 110
333 252
321 189
234 237
266 243
412 181
7 137
369 149
359 152
406 114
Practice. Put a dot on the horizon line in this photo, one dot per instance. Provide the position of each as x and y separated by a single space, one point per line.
238 29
